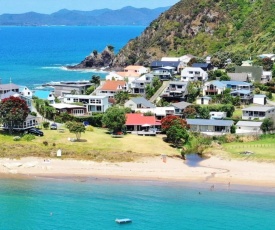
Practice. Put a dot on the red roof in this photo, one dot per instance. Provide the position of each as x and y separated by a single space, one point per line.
140 119
113 85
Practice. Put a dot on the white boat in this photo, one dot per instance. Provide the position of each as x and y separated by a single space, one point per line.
123 221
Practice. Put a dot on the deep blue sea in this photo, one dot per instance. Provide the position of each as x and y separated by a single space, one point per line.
96 203
32 56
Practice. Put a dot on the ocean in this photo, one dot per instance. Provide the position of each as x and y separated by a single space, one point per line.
96 203
32 56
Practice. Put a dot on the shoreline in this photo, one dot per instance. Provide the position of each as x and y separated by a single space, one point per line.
224 174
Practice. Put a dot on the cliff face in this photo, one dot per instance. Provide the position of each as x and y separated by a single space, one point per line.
203 27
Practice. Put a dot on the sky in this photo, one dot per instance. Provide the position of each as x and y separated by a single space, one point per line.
51 6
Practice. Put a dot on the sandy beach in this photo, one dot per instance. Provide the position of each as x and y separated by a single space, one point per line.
212 170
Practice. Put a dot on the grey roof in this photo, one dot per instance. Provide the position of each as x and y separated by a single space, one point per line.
8 86
8 94
249 123
238 83
201 65
181 105
256 71
217 83
258 108
143 101
209 122
259 96
165 63
238 76
243 91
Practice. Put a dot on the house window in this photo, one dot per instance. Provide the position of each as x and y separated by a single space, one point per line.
190 72
98 108
92 101
97 101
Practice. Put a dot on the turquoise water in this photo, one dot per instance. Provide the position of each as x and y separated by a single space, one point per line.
34 55
95 204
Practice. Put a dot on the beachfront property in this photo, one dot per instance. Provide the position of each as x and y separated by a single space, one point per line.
203 100
210 126
137 103
212 88
175 91
30 122
137 123
110 88
28 100
138 86
92 103
193 74
74 110
45 95
248 127
259 99
68 87
258 112
180 107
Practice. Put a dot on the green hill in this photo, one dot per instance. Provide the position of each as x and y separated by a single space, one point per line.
203 27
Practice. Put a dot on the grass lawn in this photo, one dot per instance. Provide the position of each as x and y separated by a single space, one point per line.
263 150
96 145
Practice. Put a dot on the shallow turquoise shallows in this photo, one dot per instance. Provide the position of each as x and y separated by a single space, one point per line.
32 56
96 203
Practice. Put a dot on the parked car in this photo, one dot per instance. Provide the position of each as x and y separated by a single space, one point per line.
53 126
36 132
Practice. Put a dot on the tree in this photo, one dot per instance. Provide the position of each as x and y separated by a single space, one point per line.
267 64
224 77
76 127
193 92
203 112
189 112
267 125
177 135
13 112
171 120
96 80
114 119
90 90
121 97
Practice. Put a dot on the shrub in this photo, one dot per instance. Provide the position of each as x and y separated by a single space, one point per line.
89 128
28 137
45 143
46 124
230 138
16 138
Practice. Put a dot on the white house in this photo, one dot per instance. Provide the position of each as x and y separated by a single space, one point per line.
259 99
258 112
248 127
213 88
110 88
217 115
136 69
93 104
160 112
203 100
138 102
193 74
24 90
266 76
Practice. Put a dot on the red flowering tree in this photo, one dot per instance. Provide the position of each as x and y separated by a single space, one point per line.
13 111
171 120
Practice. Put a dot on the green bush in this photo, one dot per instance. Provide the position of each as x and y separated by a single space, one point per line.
89 128
16 138
46 124
28 137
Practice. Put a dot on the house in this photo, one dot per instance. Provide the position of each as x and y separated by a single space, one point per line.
245 77
136 122
203 100
110 88
74 110
255 72
4 88
24 90
258 112
246 96
238 85
217 115
247 63
30 122
259 99
210 126
68 87
138 86
28 100
175 91
139 102
136 69
266 76
213 88
248 127
185 59
45 95
164 73
92 103
160 112
208 59
180 107
193 74
176 64
204 66
271 56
